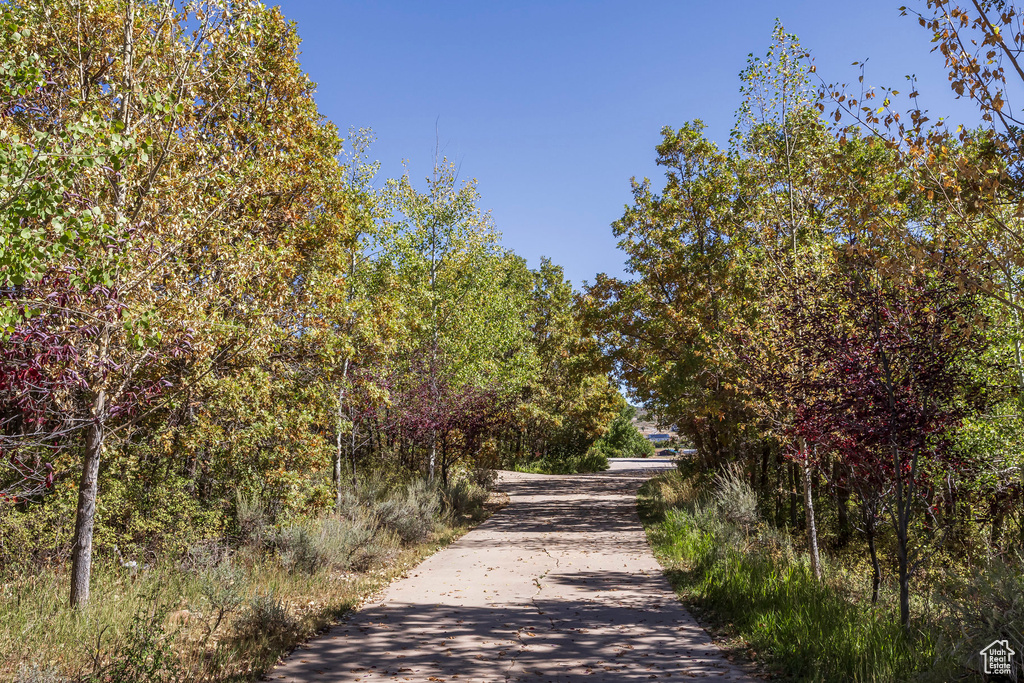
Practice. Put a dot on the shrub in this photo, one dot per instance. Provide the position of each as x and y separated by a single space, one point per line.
485 477
623 439
989 607
342 542
145 653
462 497
205 555
375 552
266 614
339 541
296 549
223 587
734 497
811 629
593 460
413 515
251 518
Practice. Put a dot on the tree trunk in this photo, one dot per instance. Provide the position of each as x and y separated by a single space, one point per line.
876 568
352 458
433 454
338 447
766 454
85 517
337 460
793 519
812 529
339 450
996 535
903 557
842 512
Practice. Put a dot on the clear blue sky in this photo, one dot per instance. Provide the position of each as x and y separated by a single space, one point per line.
553 105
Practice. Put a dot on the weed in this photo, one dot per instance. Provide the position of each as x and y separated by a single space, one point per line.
145 653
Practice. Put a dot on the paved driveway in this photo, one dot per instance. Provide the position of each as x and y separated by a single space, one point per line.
558 586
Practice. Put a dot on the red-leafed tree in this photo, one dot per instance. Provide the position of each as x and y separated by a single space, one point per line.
37 374
897 363
431 411
62 392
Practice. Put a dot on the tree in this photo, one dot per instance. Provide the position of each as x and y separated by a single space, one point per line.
569 399
895 383
623 439
214 149
465 297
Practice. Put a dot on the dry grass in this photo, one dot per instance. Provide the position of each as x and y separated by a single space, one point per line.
227 621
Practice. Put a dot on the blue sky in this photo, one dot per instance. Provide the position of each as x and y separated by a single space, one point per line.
553 105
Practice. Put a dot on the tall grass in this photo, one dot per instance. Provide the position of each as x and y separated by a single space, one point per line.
747 577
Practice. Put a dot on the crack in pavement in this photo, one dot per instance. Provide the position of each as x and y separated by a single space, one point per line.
540 612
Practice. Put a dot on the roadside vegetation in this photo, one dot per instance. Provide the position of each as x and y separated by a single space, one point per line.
751 584
230 607
623 440
829 311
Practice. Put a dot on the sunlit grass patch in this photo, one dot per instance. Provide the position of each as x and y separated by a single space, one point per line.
753 584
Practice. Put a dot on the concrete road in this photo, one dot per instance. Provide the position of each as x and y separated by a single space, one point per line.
558 586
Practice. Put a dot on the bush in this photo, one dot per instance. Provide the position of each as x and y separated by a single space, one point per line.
734 497
205 555
670 490
623 440
594 460
145 653
266 614
345 543
251 519
296 549
485 477
989 607
462 497
223 588
750 579
413 515
350 541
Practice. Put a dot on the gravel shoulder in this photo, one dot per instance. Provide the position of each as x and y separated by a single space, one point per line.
560 585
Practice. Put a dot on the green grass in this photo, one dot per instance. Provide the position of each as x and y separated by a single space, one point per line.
754 586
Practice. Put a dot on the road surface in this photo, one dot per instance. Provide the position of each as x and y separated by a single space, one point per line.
560 585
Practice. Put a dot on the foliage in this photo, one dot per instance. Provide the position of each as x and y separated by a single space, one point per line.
594 460
827 310
753 581
623 439
213 316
